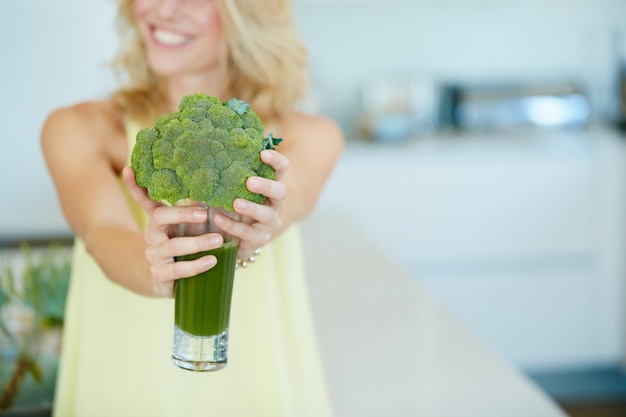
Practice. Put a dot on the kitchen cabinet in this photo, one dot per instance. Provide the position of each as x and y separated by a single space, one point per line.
520 235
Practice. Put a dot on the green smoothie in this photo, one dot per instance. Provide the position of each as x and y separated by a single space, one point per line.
202 303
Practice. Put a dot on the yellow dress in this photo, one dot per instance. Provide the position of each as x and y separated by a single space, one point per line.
116 350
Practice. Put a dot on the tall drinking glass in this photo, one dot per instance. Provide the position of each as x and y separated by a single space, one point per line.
202 302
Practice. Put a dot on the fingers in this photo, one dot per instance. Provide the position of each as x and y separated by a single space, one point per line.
276 160
166 251
168 272
165 275
139 194
268 215
261 220
272 189
251 236
165 218
170 215
165 270
264 219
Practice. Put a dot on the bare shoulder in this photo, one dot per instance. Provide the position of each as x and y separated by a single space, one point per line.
93 116
312 125
313 145
309 130
94 127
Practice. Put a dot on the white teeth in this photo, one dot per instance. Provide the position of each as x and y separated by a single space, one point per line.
169 38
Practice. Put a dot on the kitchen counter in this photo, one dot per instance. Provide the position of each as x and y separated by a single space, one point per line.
390 349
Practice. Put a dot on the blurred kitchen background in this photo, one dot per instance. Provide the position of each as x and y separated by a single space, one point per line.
486 157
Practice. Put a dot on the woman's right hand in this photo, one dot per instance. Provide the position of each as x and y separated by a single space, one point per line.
162 248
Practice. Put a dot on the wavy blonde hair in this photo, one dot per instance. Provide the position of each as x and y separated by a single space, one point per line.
267 60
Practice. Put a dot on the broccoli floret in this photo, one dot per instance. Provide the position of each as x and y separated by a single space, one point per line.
166 185
205 151
141 158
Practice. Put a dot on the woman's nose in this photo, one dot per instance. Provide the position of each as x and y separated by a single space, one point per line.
169 8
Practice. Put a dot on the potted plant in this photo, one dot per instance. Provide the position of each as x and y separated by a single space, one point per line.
32 303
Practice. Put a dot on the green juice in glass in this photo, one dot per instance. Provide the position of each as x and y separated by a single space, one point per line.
202 306
202 302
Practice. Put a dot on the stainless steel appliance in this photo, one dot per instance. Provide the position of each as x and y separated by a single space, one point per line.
510 106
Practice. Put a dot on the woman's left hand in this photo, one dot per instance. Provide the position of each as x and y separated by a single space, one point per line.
261 221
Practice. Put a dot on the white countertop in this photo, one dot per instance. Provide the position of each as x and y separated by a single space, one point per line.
391 350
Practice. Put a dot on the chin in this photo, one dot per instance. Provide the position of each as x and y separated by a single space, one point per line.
165 67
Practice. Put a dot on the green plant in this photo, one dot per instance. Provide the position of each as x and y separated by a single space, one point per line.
40 289
45 282
204 152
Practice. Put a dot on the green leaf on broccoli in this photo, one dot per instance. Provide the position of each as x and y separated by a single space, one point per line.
270 142
238 106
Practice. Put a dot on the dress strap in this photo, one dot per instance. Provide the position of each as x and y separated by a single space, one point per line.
132 127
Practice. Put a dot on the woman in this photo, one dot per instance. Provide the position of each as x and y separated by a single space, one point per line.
119 319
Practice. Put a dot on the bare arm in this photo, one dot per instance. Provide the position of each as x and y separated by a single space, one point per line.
85 149
303 163
312 158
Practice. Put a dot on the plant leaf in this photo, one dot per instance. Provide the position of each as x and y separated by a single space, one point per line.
34 369
270 142
238 106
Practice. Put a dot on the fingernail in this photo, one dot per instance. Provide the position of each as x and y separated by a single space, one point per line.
199 214
209 260
254 184
267 156
242 204
215 240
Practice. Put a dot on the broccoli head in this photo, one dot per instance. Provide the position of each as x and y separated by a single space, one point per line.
205 152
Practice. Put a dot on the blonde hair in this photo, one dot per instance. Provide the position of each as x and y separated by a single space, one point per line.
267 61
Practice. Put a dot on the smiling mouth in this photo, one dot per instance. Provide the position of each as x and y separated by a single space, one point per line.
168 38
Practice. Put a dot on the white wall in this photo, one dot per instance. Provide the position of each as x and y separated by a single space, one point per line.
55 52
469 40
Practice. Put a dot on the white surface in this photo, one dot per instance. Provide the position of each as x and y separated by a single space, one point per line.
54 53
522 237
390 349
474 41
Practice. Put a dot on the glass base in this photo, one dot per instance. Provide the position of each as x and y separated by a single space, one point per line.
200 353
